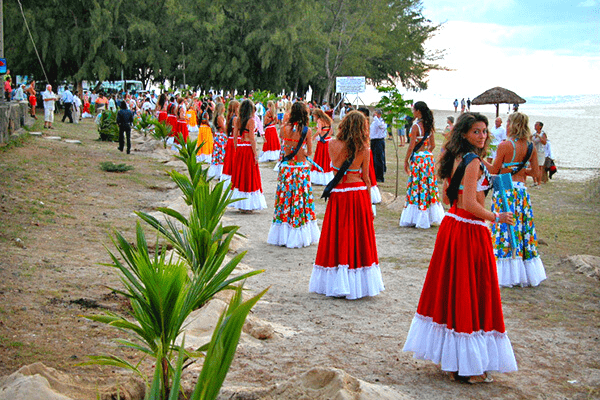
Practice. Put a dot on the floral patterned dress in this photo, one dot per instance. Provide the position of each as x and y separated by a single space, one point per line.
294 221
526 269
218 156
422 207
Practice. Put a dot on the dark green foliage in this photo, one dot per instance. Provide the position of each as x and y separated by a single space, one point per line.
109 166
231 45
107 126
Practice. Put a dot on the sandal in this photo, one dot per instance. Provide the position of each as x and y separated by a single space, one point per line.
471 380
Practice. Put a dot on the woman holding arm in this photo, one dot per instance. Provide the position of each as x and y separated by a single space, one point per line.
459 322
422 207
526 269
294 221
347 264
245 179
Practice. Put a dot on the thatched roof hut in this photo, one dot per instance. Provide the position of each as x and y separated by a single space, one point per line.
498 96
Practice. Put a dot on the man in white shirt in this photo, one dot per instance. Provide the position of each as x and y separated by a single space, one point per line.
67 99
378 133
147 106
498 135
260 111
49 98
76 107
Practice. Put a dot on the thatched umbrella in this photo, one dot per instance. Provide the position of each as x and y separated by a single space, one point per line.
498 96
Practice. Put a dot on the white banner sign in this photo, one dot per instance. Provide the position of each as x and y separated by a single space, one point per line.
350 84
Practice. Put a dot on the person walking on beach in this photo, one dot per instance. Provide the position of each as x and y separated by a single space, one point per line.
468 104
459 322
525 268
49 98
462 105
422 207
455 104
294 221
67 99
539 141
347 264
124 121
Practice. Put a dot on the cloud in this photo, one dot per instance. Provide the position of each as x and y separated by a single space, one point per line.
444 10
587 3
482 56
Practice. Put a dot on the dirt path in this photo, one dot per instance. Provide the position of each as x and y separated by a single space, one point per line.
554 329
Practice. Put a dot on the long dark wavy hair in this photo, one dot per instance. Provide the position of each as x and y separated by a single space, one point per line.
353 132
246 112
458 145
232 110
426 116
299 115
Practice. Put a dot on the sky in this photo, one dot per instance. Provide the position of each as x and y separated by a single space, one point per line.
532 47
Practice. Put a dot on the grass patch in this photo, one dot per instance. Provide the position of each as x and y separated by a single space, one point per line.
109 166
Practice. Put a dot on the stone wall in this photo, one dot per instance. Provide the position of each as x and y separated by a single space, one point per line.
13 117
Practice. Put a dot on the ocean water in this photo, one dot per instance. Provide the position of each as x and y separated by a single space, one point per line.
572 124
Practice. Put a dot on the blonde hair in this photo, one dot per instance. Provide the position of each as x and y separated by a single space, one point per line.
319 114
519 126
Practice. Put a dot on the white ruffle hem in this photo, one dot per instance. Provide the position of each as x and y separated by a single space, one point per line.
251 200
215 170
341 281
413 216
320 178
519 272
283 234
271 155
205 158
468 353
375 195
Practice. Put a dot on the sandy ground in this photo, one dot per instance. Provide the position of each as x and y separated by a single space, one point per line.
62 206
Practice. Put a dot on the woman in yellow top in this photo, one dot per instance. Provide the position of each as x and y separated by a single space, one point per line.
205 136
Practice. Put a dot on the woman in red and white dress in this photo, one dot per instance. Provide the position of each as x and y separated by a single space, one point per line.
161 108
182 123
459 322
347 264
229 157
272 146
245 178
323 136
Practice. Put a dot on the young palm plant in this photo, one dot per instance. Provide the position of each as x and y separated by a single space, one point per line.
144 123
162 295
162 131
